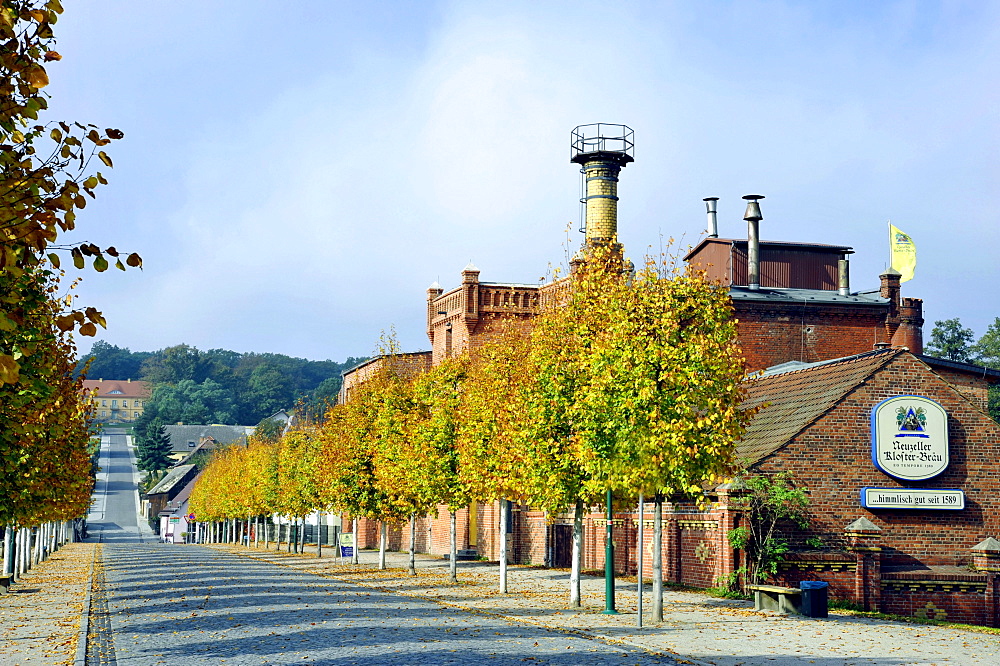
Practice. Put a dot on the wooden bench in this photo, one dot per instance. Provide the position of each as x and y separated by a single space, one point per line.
776 598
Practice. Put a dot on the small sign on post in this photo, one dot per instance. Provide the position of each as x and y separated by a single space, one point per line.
346 544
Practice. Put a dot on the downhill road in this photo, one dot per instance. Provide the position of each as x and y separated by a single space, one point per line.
158 603
113 516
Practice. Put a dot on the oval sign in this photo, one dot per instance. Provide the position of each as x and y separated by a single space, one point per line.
910 437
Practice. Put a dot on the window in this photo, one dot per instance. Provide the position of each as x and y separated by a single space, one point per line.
191 444
135 415
104 413
114 404
104 403
124 403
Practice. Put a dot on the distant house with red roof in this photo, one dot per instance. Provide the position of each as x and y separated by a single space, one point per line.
117 400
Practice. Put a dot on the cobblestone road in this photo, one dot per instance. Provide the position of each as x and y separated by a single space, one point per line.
192 605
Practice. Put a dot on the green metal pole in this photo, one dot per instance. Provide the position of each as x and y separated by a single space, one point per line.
609 567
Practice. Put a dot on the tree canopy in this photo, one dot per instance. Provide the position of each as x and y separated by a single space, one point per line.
950 340
47 175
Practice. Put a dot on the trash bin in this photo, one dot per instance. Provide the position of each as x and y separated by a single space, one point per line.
815 598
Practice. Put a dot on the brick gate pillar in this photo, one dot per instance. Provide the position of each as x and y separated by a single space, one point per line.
730 509
864 539
986 558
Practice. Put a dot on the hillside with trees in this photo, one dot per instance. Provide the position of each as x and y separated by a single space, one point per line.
218 385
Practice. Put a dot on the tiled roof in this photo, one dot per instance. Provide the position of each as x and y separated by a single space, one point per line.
180 435
118 388
792 400
173 477
990 375
177 503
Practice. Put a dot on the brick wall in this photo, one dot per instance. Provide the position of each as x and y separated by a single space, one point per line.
956 598
832 458
838 568
974 388
771 334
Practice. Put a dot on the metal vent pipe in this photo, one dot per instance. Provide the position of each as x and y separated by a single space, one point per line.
843 277
753 218
713 220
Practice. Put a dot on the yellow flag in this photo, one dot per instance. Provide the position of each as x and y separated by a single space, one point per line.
903 253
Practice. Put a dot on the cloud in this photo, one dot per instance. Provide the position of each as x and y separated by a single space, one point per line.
319 195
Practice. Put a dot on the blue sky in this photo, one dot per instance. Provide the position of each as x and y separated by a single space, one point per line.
296 174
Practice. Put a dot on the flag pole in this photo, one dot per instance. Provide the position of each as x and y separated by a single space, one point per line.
888 228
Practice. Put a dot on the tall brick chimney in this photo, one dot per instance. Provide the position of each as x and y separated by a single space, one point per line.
910 333
890 290
601 150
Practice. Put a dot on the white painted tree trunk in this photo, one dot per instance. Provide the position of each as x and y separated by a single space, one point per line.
267 525
574 572
26 567
357 541
15 561
638 555
658 558
504 516
453 565
7 559
22 559
40 537
413 540
25 550
382 542
319 535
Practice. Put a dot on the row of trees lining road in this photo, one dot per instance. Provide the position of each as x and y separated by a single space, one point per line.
950 340
47 174
219 385
623 384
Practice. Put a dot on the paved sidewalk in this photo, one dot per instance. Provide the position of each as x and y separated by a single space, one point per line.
40 616
197 606
697 628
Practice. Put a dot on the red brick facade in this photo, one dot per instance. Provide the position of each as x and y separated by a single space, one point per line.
912 562
900 561
771 334
909 562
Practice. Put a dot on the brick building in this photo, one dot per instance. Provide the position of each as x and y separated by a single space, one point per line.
802 307
117 400
407 363
929 559
822 357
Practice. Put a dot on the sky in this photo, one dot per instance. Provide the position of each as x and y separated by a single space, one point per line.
296 174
